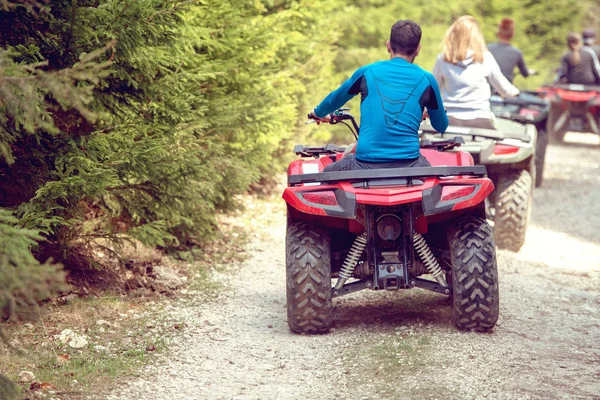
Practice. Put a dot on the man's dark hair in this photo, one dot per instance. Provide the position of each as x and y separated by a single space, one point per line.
405 37
588 33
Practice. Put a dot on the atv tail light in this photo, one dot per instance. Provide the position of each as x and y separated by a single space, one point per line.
526 112
452 192
503 149
326 197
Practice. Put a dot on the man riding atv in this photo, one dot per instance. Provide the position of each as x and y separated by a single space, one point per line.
398 214
393 95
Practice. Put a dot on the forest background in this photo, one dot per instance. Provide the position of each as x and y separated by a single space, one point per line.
140 120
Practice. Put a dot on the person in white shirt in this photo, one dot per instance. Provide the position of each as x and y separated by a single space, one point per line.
464 72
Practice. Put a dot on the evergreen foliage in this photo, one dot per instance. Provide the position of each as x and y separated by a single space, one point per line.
122 119
23 281
20 289
541 27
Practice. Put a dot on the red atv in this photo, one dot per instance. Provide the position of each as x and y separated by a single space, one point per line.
572 108
389 229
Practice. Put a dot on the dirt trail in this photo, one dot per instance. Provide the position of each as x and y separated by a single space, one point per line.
402 345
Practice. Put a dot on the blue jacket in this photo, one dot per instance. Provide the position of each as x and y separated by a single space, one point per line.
393 95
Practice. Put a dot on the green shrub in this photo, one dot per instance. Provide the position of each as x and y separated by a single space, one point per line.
143 119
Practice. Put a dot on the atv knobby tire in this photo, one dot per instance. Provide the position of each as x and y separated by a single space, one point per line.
308 265
513 206
540 156
475 298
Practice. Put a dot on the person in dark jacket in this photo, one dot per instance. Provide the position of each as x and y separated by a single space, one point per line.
580 64
589 40
507 56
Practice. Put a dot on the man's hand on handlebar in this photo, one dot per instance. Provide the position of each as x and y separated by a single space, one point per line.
326 119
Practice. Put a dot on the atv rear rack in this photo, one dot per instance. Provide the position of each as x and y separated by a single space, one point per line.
443 144
476 132
386 174
316 151
523 100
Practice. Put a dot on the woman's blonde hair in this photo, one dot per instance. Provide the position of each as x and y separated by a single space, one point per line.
575 44
462 38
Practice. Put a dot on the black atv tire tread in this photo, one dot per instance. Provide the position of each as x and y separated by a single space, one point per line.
540 156
308 270
513 203
475 303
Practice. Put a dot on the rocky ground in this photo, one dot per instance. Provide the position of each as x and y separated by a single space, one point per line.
402 345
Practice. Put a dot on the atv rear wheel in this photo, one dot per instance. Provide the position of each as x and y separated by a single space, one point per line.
475 297
540 156
308 265
513 206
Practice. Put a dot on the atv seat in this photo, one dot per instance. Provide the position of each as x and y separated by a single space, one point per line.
505 129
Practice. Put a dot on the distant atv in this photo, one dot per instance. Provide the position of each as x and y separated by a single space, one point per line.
527 108
573 108
509 156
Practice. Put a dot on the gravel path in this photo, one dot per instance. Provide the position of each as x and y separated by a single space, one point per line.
402 345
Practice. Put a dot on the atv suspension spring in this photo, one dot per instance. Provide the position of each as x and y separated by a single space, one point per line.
424 252
352 259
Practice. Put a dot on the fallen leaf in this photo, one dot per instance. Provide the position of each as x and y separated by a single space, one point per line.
63 358
47 386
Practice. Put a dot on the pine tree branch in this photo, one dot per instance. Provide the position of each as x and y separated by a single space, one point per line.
23 88
145 186
118 16
74 7
30 5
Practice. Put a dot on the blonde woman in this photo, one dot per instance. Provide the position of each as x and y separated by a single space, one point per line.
580 64
464 71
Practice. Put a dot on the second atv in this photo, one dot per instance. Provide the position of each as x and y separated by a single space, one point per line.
527 108
508 153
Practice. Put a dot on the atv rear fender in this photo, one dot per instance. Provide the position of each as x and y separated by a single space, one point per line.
340 195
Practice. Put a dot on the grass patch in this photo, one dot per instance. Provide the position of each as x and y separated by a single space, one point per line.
138 329
395 355
121 335
395 367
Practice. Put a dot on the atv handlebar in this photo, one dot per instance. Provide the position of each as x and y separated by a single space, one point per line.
336 117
